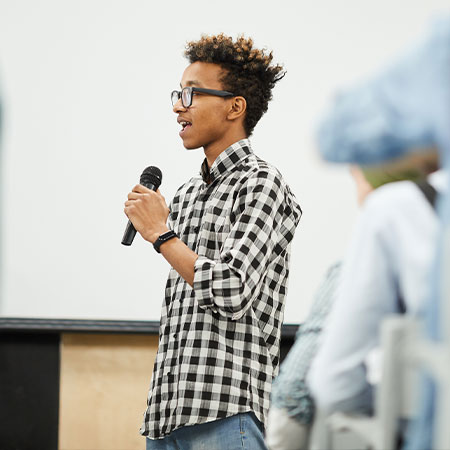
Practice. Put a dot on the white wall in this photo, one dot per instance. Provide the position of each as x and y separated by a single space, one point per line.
86 97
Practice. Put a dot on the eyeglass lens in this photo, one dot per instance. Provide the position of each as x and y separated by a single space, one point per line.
186 97
175 96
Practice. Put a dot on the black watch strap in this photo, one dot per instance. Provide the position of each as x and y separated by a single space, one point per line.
163 238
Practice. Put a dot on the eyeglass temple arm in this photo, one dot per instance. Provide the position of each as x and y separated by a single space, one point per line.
213 92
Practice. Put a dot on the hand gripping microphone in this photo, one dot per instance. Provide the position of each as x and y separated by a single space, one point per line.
151 178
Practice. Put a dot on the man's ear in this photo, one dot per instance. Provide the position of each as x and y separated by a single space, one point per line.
238 108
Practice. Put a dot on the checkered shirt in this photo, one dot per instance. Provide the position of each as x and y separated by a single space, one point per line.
219 341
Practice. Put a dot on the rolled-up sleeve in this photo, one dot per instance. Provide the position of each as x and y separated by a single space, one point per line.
230 284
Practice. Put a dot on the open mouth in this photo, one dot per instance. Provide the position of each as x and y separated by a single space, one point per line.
185 125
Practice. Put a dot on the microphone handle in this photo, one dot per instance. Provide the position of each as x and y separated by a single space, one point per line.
130 231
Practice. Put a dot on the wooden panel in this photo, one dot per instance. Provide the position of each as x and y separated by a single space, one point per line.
103 389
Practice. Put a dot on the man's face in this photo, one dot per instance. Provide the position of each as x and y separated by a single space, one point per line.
206 117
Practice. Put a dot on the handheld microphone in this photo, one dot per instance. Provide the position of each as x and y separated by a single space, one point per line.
151 178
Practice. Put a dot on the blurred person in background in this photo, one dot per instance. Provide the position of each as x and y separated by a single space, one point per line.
404 107
385 271
292 409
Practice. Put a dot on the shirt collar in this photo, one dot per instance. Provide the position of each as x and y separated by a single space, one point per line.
226 161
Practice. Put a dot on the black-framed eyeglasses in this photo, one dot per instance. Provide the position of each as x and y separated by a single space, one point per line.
188 92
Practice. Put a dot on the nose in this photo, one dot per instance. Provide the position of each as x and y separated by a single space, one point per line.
178 107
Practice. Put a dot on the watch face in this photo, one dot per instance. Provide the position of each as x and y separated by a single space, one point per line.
163 238
167 235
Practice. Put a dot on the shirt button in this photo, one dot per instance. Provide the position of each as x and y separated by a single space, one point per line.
175 335
196 229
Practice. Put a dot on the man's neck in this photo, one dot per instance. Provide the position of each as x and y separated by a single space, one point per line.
213 150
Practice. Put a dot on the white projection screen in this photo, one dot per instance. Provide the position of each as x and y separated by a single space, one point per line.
85 91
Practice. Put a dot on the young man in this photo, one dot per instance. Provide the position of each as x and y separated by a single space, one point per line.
229 234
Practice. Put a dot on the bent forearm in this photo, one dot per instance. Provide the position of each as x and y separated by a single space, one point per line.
181 258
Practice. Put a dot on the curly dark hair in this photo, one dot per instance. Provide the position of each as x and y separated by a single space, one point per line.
247 71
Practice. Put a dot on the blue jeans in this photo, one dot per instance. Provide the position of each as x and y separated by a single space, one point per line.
241 431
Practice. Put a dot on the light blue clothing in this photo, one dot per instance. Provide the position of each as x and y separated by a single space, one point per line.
241 431
389 258
404 107
289 389
407 106
419 435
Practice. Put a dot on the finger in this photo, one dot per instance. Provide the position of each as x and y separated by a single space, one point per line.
134 195
141 189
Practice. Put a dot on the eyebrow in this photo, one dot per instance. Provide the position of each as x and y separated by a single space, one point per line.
192 83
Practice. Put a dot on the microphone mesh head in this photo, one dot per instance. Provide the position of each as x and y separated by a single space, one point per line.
151 176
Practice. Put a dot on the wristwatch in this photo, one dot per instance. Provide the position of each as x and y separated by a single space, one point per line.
163 238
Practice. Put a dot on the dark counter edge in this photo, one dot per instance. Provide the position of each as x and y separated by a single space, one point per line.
26 325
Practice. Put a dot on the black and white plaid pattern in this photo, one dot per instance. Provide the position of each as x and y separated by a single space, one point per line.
219 341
